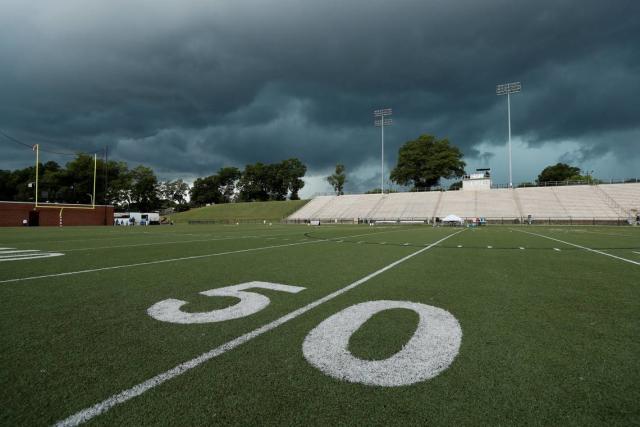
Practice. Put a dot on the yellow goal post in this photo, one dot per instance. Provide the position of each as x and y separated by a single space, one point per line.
63 206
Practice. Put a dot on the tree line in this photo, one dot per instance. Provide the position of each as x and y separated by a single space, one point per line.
257 182
139 189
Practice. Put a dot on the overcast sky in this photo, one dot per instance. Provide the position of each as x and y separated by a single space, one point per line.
189 86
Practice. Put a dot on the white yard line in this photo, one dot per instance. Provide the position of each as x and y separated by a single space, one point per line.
32 256
18 251
636 252
162 261
172 242
582 247
102 407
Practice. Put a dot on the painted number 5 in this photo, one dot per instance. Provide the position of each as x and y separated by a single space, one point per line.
250 303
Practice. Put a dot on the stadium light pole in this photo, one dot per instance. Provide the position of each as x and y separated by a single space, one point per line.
508 89
380 121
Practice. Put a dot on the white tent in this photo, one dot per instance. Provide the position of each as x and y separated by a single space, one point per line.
453 218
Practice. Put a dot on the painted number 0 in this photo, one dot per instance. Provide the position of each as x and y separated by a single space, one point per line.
430 350
250 303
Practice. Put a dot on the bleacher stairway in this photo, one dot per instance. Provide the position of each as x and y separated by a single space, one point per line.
579 202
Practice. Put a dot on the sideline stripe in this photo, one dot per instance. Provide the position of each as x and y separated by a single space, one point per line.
137 390
581 247
162 261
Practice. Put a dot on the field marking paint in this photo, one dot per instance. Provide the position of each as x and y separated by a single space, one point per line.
636 252
556 249
459 246
177 242
19 251
102 407
32 256
432 348
489 247
162 261
582 247
521 248
250 302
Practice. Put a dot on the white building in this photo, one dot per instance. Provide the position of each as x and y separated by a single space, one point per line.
480 180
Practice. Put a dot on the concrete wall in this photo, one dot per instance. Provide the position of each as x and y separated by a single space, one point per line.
12 214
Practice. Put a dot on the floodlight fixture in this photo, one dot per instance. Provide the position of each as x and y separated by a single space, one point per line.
508 89
382 112
381 121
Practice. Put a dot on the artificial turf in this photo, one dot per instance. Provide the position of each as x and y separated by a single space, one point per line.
550 331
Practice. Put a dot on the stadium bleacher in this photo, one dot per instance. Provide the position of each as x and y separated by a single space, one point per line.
578 202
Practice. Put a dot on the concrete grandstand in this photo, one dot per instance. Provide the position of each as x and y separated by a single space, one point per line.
611 203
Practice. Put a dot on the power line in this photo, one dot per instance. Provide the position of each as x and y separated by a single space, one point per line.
17 141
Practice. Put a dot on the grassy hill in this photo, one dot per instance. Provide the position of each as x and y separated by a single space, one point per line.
252 211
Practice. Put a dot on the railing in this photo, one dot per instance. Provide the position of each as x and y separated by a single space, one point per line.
487 220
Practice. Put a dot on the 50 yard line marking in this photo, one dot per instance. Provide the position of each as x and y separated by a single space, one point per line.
581 247
102 407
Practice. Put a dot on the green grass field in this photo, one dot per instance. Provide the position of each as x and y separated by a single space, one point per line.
549 320
251 211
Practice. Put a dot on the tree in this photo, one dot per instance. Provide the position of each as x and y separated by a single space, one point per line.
227 181
256 183
559 172
424 161
204 191
293 170
337 179
173 193
260 182
144 189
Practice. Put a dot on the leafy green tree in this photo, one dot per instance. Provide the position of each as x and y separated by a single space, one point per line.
217 188
260 182
337 179
293 170
144 188
205 191
559 172
256 183
173 193
424 161
227 180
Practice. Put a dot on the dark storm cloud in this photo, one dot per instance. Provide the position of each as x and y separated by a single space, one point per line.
196 85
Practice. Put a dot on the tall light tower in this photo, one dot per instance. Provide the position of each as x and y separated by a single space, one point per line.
508 89
380 121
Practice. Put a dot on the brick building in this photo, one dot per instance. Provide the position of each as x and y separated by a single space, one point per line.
12 214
